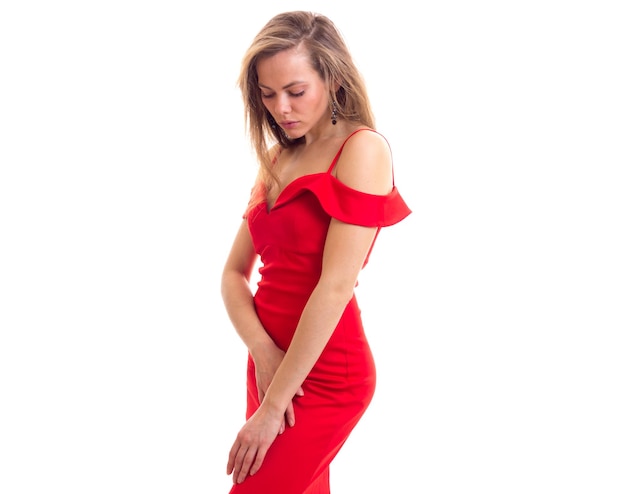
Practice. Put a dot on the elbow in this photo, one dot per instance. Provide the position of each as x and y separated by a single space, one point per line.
338 291
223 284
226 284
232 283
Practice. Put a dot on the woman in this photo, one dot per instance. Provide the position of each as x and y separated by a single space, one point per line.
325 188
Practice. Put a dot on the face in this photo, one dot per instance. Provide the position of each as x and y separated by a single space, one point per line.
293 92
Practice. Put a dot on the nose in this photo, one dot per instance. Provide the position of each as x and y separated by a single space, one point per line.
283 107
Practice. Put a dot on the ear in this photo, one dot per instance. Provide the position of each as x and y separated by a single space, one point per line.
333 86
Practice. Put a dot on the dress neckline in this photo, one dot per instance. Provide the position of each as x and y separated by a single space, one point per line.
334 161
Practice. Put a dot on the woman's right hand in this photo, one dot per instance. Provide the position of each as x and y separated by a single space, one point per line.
266 361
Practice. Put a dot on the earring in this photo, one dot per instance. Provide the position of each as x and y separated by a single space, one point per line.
271 121
333 113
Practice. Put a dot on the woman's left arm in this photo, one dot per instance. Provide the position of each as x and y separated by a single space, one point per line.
365 165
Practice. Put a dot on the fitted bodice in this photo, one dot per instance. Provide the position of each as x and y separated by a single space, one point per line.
290 236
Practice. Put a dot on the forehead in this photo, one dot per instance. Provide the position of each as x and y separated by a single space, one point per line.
286 66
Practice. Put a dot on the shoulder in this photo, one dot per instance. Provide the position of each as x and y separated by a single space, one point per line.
366 141
365 163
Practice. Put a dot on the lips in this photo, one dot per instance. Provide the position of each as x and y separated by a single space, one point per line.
288 124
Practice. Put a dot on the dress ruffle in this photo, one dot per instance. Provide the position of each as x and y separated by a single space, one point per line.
345 203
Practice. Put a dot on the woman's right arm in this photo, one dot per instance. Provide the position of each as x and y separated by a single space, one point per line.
237 295
239 305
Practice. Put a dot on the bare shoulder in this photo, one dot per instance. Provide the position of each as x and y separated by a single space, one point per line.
365 163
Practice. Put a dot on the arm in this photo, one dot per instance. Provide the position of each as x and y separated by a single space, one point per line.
239 305
236 292
237 295
365 165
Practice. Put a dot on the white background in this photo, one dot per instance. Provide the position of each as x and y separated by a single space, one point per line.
495 310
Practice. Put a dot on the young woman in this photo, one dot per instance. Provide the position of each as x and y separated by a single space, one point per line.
325 188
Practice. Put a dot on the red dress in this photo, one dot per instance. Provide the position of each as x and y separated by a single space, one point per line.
289 239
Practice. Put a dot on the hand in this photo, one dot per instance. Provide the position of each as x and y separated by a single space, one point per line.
254 439
266 363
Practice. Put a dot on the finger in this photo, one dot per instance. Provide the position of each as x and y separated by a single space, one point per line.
237 462
290 415
248 460
281 429
231 458
260 456
300 391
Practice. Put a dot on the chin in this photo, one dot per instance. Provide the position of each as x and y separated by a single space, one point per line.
294 134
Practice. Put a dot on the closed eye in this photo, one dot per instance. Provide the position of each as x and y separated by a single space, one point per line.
269 96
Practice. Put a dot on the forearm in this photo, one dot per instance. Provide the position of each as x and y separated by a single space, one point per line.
239 305
317 324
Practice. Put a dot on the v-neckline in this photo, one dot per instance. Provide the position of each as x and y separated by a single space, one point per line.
269 208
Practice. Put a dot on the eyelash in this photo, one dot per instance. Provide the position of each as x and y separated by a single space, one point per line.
295 95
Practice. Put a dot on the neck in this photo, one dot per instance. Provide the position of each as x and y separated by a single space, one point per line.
325 131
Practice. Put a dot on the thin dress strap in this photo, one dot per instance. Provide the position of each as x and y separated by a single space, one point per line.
336 158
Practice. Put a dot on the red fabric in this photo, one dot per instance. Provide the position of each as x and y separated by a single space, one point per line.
290 240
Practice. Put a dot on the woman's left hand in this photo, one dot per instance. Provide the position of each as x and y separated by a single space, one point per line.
254 439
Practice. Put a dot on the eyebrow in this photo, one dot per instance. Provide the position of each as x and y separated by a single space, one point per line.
287 86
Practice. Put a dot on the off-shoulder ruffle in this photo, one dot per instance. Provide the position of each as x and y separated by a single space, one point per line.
345 203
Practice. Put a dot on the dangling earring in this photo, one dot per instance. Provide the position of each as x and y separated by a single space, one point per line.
333 113
271 121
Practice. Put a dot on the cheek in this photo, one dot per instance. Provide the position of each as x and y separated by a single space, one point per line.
270 106
316 102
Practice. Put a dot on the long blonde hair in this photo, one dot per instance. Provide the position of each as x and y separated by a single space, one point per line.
331 59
